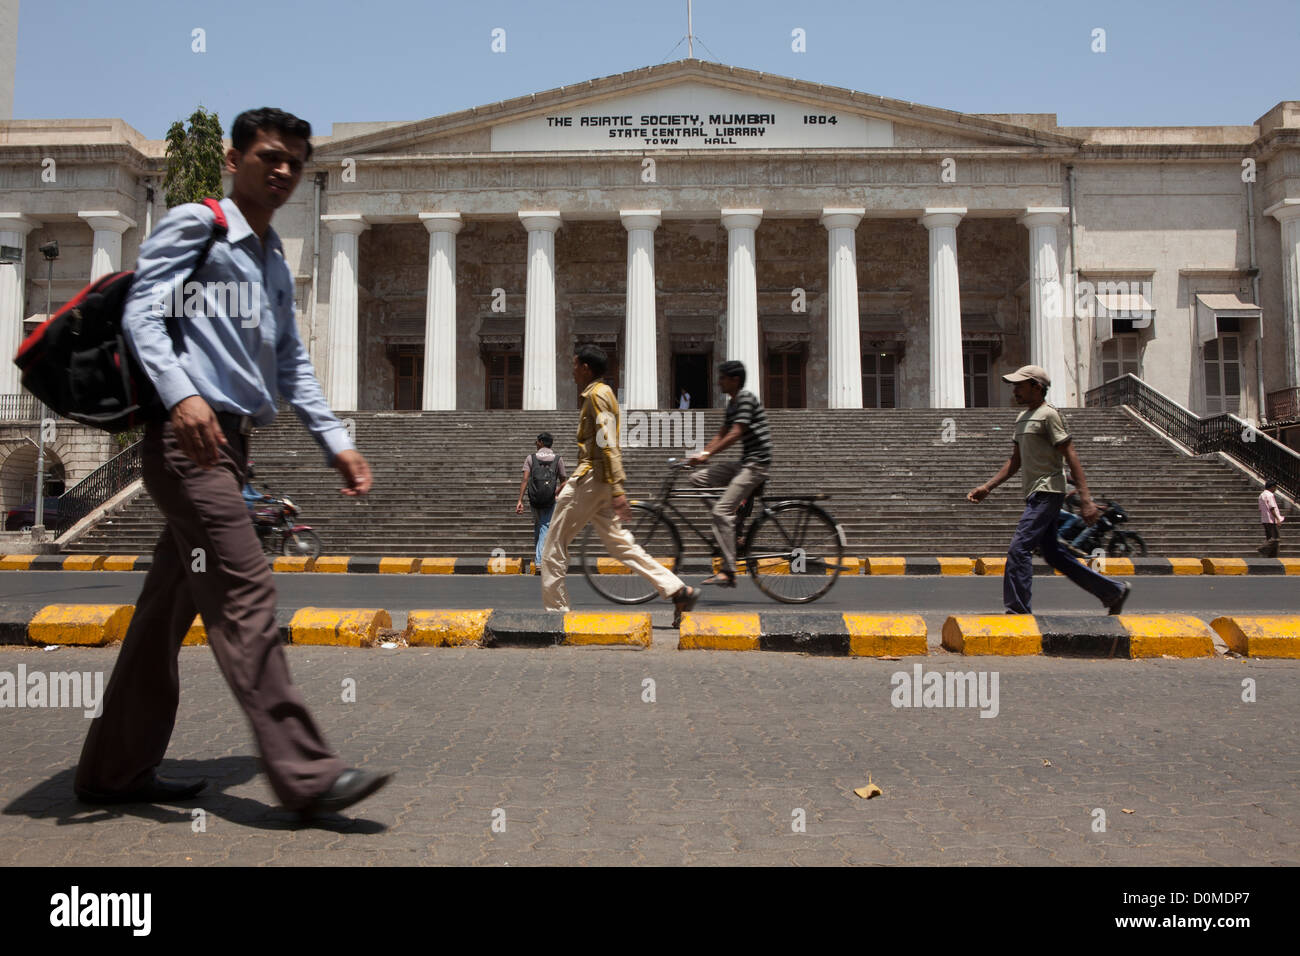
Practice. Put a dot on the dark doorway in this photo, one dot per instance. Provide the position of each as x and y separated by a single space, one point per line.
977 365
692 371
408 378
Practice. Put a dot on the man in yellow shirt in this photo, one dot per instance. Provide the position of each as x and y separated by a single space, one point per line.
1042 449
594 492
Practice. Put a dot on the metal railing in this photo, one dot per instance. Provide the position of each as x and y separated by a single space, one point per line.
1229 434
1283 405
98 486
21 407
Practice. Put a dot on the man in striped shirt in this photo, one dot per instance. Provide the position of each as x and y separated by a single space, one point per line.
746 422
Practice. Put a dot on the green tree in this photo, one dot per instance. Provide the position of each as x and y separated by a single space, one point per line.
194 159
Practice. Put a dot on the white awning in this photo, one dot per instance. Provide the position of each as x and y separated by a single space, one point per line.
1212 306
1111 305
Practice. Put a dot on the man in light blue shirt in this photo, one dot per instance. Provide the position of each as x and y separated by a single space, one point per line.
231 350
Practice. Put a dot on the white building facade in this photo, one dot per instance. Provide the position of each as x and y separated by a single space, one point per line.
853 251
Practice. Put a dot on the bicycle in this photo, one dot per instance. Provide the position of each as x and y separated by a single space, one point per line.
794 550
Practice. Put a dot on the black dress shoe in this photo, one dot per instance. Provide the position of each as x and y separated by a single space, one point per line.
683 601
351 787
1117 606
157 790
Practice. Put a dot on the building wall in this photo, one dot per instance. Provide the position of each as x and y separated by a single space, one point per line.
1185 227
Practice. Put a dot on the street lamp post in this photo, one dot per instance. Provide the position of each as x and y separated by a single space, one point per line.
51 252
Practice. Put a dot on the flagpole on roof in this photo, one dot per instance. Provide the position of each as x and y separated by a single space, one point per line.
690 34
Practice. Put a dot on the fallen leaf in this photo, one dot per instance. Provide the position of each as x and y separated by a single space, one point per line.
1046 762
1122 810
869 791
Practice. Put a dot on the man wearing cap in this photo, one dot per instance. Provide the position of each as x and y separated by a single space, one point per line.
1042 448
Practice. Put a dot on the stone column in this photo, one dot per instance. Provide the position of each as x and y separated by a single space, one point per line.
440 311
1287 212
14 227
1047 300
539 321
947 387
341 388
844 347
742 294
640 357
108 224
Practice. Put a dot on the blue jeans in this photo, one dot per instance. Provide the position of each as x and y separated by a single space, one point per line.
1068 527
541 524
1037 529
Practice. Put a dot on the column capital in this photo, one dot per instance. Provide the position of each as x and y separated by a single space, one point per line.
843 217
442 222
741 218
1284 210
640 218
1043 216
109 220
938 218
547 220
347 223
18 222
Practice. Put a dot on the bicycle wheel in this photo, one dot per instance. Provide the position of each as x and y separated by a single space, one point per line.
614 580
795 552
301 544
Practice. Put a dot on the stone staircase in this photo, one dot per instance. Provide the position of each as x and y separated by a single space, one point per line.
446 482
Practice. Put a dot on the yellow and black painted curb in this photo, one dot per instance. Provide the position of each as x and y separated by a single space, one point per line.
848 634
841 634
488 628
1260 636
940 565
1121 635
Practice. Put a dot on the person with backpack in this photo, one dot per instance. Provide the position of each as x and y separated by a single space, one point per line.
219 374
543 477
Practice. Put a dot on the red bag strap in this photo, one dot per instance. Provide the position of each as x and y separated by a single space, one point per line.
220 225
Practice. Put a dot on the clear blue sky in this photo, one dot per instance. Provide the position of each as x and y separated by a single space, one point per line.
1167 62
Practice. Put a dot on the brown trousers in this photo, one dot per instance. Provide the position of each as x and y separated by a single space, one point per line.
208 560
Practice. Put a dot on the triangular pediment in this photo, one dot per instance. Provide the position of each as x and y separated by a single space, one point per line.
693 104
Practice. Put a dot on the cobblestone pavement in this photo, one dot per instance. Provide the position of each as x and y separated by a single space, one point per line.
562 749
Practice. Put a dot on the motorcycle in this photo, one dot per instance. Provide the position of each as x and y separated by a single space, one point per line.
275 524
1121 543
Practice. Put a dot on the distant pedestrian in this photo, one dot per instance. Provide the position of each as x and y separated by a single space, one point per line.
1042 448
1271 518
543 477
594 493
684 400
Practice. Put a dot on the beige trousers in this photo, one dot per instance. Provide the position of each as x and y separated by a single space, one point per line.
583 500
740 479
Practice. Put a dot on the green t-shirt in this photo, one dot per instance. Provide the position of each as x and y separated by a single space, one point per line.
1039 433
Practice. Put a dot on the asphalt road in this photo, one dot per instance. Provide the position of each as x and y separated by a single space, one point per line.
1203 596
621 756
